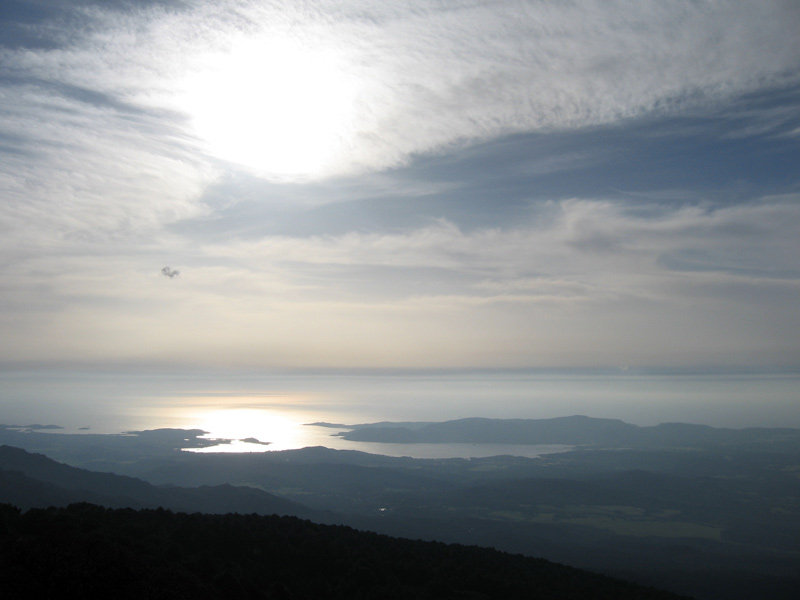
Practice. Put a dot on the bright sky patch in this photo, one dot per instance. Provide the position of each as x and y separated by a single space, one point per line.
272 105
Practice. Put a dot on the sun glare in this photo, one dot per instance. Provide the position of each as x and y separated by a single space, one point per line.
247 428
275 107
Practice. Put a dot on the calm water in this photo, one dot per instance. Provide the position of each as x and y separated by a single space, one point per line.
274 408
456 450
302 436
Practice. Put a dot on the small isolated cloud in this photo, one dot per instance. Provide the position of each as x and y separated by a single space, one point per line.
169 272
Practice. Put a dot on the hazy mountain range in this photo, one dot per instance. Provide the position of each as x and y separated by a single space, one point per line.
34 481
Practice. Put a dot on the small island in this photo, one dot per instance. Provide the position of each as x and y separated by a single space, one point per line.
252 440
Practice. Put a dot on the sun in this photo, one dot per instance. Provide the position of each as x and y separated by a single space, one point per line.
276 107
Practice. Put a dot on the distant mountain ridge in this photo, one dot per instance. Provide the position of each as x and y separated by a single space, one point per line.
573 430
32 480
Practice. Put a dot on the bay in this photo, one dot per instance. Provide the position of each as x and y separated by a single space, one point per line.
275 407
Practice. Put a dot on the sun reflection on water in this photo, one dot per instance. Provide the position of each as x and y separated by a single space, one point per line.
245 423
250 429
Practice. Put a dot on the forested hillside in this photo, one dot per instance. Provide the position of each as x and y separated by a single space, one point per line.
91 552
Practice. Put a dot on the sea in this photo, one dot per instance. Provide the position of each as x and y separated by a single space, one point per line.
276 410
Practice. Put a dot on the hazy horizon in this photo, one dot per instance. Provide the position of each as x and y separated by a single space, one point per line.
267 406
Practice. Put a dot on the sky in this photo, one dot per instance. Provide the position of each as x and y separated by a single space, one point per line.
353 184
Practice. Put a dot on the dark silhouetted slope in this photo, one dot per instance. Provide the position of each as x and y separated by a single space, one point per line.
90 552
